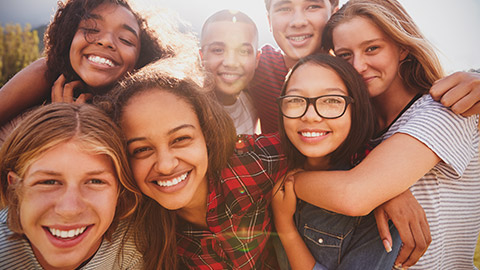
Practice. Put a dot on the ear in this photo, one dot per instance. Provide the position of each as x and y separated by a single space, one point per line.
257 58
335 9
403 54
269 22
12 177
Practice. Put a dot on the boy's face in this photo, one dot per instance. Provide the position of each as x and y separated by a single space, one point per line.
297 25
229 52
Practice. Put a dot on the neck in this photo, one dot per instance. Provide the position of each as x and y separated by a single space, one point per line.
226 100
317 164
390 104
196 212
289 62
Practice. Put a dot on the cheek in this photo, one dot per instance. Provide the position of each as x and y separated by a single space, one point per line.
290 127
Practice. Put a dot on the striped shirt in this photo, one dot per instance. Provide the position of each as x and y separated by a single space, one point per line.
18 254
238 216
266 87
450 191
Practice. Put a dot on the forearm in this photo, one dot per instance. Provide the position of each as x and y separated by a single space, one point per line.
390 169
26 89
297 252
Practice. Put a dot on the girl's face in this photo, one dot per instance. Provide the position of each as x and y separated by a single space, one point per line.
167 149
106 46
373 54
67 203
314 136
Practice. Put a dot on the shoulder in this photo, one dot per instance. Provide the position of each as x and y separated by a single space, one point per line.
119 253
16 253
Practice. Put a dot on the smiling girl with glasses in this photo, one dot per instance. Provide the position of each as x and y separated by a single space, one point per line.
327 120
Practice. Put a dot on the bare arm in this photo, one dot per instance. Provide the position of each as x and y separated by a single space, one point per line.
26 89
390 169
284 205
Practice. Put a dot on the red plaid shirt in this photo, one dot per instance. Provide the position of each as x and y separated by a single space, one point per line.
239 216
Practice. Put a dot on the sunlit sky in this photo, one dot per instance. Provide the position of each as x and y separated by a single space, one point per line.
452 26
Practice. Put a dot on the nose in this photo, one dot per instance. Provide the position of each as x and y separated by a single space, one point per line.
71 203
106 40
298 19
311 115
230 59
166 162
359 63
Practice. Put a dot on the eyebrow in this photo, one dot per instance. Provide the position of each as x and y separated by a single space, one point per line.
54 173
168 133
124 26
279 3
331 89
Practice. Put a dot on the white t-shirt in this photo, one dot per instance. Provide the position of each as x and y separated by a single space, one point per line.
243 114
450 191
18 254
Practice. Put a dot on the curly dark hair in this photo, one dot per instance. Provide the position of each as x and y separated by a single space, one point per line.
59 35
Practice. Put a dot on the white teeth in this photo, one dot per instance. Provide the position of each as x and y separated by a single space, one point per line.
299 38
230 76
100 60
172 182
66 234
313 134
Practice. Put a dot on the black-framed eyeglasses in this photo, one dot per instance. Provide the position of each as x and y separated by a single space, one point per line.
326 106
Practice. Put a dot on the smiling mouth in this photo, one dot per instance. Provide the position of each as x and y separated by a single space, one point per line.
66 235
100 60
299 38
172 182
313 134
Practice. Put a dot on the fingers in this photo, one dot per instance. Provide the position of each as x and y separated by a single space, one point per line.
63 92
421 234
57 89
459 91
83 98
408 241
383 229
289 190
475 109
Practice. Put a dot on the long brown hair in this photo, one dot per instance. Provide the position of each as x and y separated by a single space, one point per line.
421 68
156 234
52 125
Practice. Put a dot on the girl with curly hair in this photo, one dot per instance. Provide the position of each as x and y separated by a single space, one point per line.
89 46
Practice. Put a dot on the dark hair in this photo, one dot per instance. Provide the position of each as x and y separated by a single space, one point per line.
51 125
268 3
421 68
362 114
59 35
159 245
229 15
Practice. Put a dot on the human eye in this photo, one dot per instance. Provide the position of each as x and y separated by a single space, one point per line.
216 50
180 140
314 7
372 48
344 55
127 42
282 8
96 181
245 51
48 182
140 151
332 100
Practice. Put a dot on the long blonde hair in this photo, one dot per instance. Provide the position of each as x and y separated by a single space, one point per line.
50 126
421 68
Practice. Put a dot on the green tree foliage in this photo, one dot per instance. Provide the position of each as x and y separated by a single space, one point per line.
18 48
